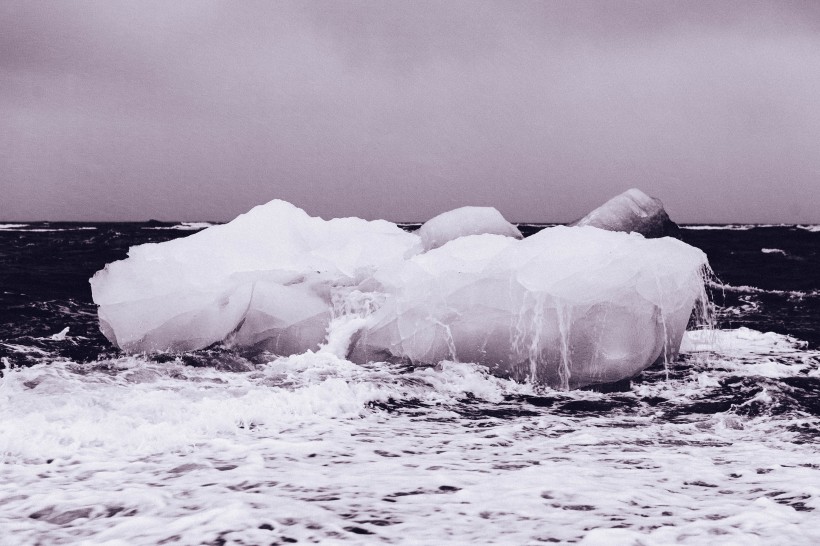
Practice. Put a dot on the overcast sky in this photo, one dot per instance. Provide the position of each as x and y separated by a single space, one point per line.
200 110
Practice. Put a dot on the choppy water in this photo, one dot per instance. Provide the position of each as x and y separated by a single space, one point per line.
213 448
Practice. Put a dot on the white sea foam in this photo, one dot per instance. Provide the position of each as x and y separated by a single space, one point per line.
745 227
747 352
184 226
744 289
307 448
28 229
731 227
740 341
25 349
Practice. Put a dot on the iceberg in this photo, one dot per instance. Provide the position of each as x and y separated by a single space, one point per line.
566 307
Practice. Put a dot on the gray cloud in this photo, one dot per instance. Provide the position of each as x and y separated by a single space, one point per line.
200 110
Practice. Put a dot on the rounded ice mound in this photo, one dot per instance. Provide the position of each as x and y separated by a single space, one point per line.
566 307
464 221
263 280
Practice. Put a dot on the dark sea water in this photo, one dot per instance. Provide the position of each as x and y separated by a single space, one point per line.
210 447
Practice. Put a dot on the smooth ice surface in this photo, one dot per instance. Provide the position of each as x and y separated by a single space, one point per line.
566 307
464 221
264 278
630 211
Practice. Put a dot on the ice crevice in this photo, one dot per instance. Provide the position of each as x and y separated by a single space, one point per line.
566 307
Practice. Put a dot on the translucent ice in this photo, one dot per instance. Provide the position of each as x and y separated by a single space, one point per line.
464 221
566 307
265 279
632 210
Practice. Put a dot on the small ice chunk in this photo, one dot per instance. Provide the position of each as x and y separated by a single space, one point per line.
631 211
462 222
59 336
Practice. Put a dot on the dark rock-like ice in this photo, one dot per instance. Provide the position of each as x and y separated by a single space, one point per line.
632 211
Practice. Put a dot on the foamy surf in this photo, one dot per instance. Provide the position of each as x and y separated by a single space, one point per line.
314 448
210 447
184 226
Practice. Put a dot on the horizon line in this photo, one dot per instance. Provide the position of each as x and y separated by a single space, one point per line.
403 222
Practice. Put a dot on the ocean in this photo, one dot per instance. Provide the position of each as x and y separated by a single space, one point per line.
213 447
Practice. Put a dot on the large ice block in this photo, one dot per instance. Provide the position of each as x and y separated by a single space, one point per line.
566 307
265 279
